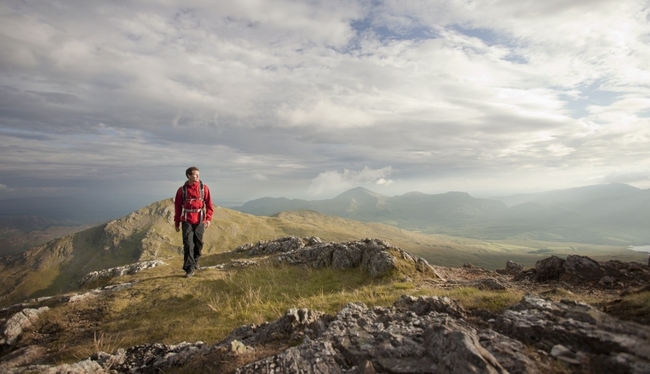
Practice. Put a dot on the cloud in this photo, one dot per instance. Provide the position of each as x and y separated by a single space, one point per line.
627 177
332 181
277 92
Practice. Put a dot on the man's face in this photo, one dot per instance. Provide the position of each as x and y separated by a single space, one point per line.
194 177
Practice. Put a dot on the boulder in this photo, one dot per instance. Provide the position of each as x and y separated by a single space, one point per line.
579 269
550 268
20 321
512 268
585 334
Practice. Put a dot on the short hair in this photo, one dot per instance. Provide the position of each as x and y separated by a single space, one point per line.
191 170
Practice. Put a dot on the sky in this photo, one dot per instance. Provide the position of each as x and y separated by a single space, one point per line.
307 99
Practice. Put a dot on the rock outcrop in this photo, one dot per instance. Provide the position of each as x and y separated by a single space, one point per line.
119 271
583 271
415 335
578 334
15 325
376 256
512 268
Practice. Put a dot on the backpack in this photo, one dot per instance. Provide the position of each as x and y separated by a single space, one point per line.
185 199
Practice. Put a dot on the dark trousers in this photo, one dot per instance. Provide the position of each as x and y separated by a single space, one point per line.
192 245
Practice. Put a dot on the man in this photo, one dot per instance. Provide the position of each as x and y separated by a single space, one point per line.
193 213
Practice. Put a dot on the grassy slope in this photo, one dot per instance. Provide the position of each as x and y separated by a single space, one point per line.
163 306
214 302
148 233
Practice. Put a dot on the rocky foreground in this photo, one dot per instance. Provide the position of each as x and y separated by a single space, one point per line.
414 335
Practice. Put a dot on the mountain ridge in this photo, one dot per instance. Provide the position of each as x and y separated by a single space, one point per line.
148 234
615 214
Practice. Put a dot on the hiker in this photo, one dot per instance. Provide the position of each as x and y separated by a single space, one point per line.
192 212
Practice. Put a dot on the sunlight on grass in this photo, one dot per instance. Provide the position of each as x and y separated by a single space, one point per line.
165 307
101 343
473 298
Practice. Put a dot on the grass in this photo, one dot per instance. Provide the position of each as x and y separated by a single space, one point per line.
167 308
212 303
472 298
632 307
148 234
101 343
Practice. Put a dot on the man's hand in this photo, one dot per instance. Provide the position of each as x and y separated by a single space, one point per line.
206 224
178 228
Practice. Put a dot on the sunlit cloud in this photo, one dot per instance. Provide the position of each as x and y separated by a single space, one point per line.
316 97
332 181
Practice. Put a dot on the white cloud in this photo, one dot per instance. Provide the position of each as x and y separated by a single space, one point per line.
332 181
628 176
279 91
324 113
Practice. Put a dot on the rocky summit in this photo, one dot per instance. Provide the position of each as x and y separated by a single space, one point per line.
416 334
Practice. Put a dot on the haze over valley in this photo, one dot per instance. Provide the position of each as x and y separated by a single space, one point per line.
614 214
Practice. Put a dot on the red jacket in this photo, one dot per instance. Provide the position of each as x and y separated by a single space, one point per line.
192 202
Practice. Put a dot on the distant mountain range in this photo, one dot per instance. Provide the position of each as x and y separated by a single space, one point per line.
59 264
616 214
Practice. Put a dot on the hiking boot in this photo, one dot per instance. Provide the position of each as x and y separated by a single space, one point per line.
189 274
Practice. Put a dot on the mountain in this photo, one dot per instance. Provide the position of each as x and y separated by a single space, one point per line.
614 214
572 195
302 288
148 234
412 211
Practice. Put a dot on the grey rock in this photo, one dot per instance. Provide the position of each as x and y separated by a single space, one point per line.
22 356
509 352
414 335
578 269
107 274
425 305
616 345
375 256
20 321
490 284
512 268
584 271
550 268
98 292
394 340
286 244
82 367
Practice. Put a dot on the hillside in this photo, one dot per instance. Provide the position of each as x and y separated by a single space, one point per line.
148 234
303 305
413 211
614 214
19 233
